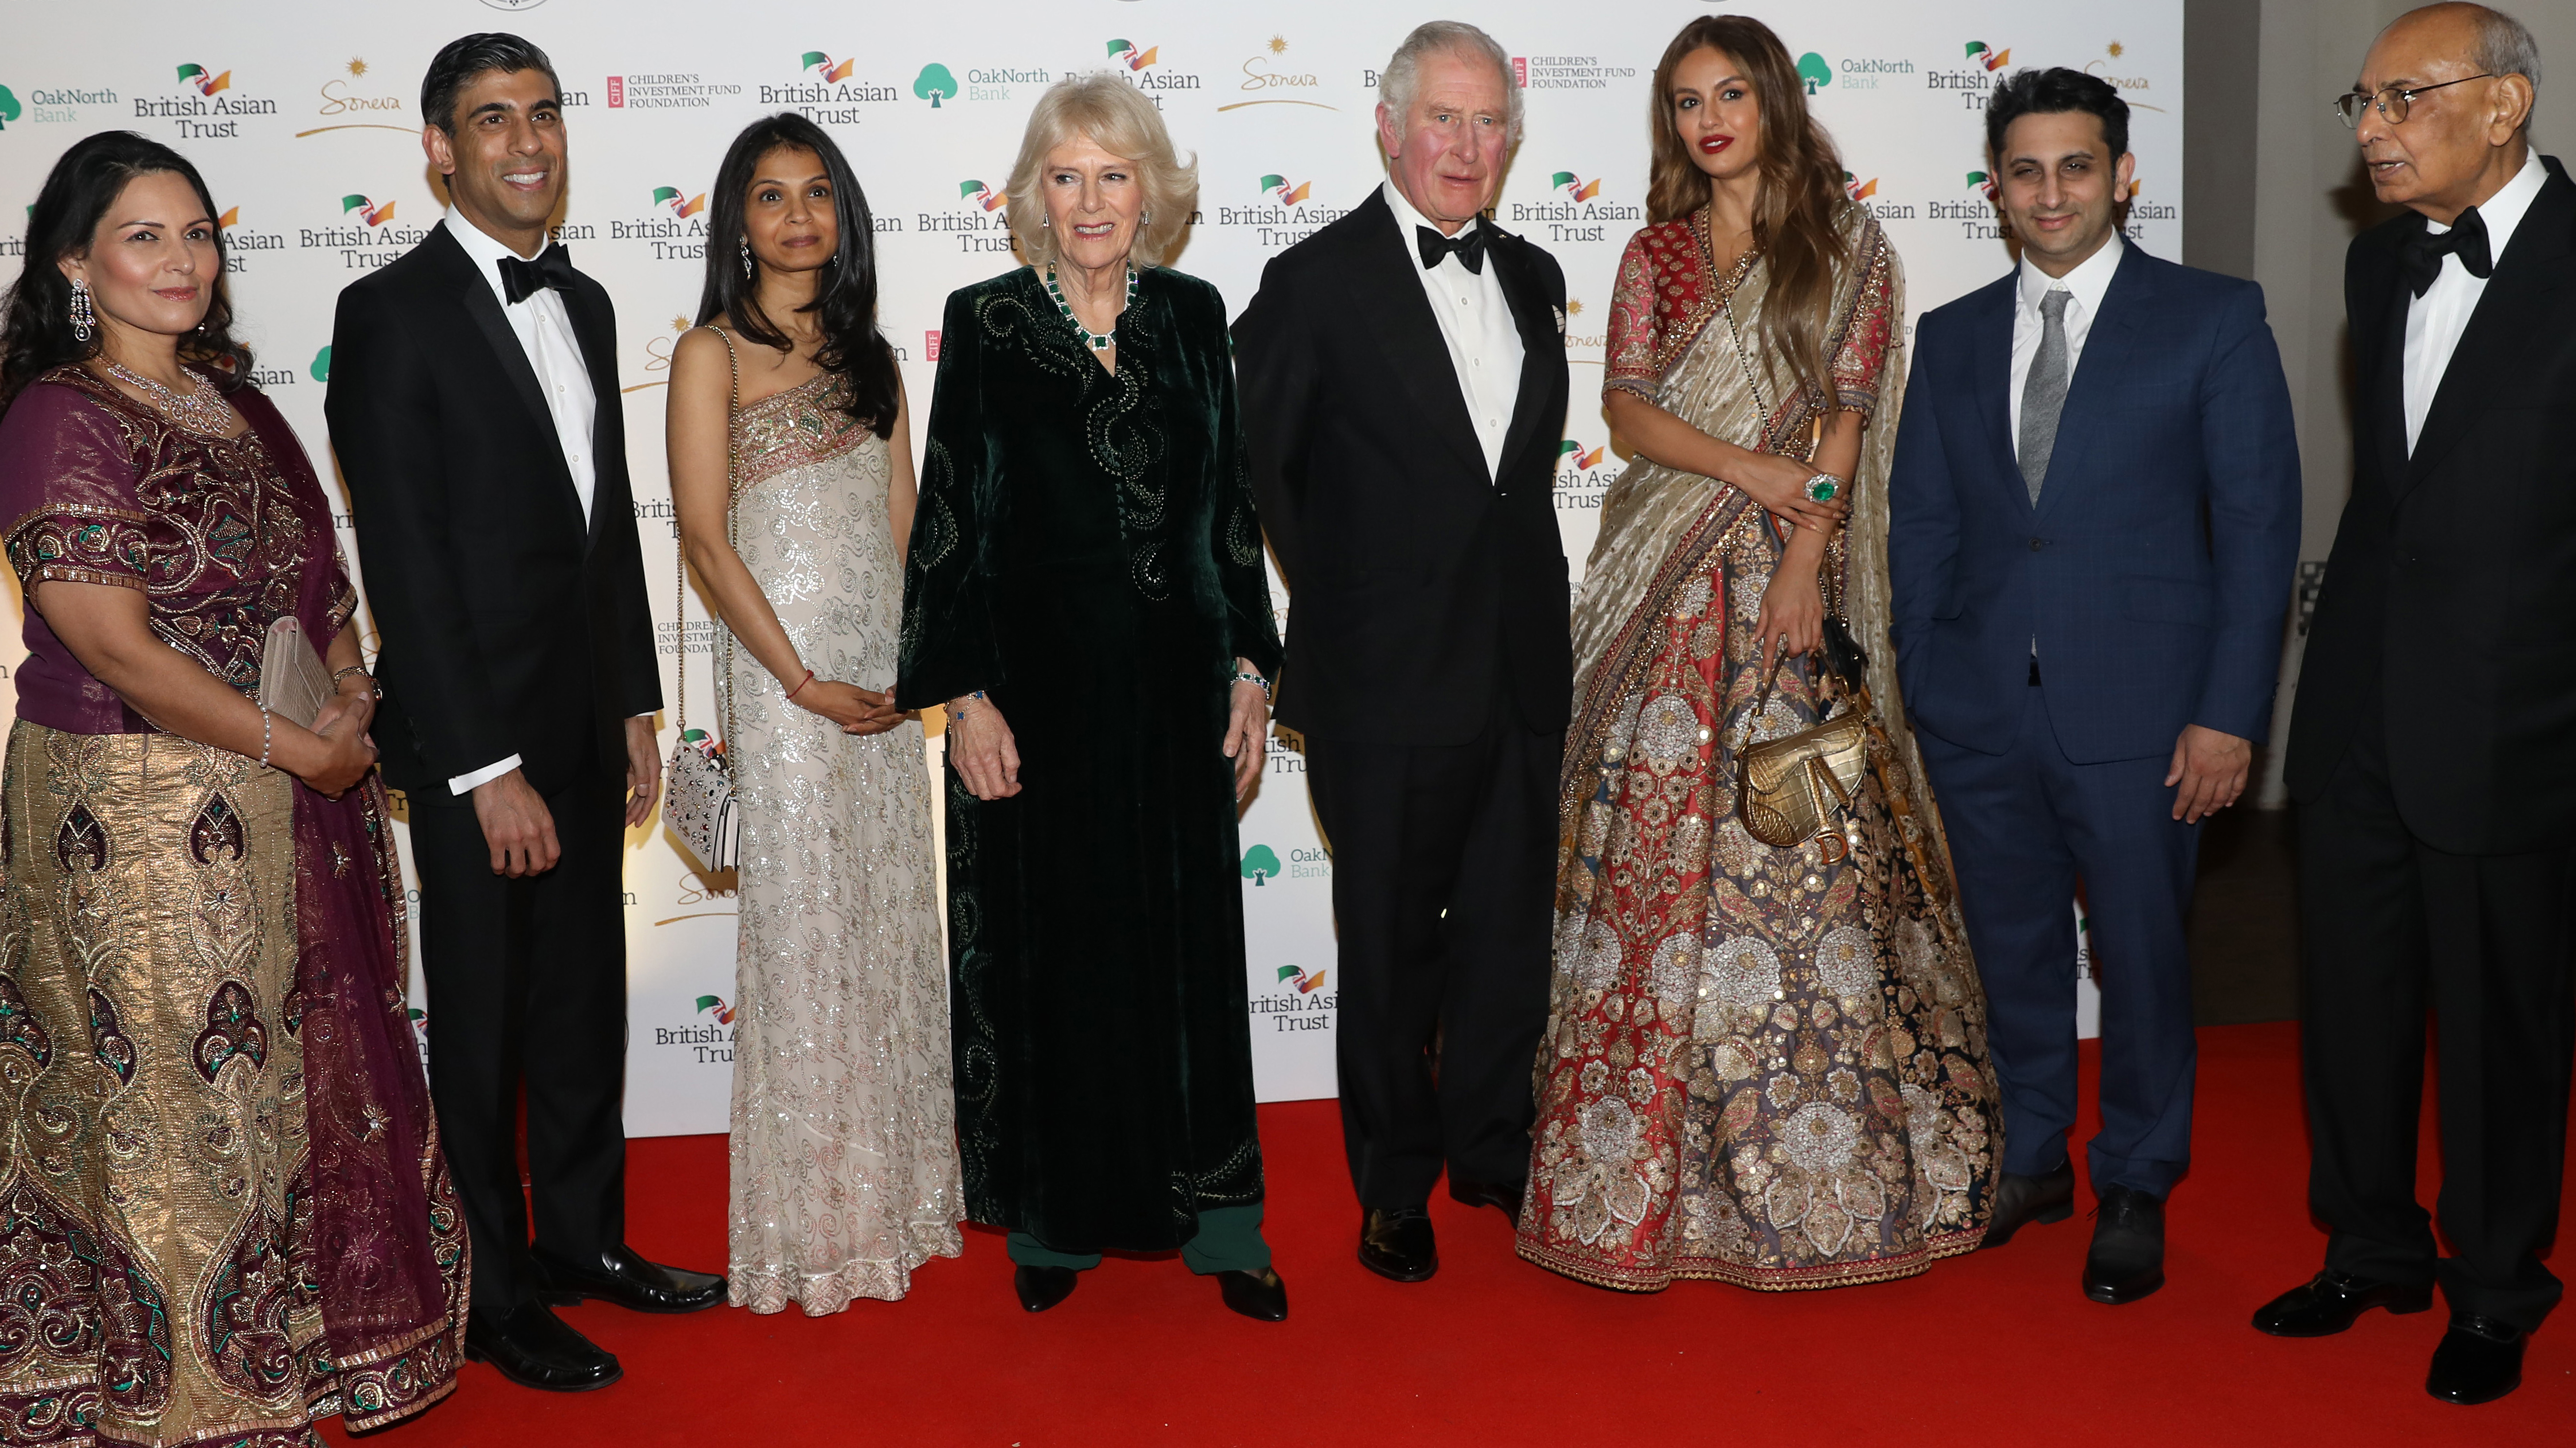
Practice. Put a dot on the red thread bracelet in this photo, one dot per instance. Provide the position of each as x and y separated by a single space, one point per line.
801 683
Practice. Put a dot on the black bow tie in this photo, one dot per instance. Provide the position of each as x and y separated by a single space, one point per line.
2421 257
521 280
1468 245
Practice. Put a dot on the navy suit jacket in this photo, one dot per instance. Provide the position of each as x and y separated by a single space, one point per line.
2156 568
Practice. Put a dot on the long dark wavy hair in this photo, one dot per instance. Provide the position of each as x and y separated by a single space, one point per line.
36 323
845 297
1795 222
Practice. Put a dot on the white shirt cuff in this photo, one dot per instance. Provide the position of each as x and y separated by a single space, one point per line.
463 784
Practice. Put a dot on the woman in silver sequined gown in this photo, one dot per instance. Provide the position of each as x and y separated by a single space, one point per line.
843 1152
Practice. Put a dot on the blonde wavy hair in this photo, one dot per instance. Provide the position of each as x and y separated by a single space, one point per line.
1123 123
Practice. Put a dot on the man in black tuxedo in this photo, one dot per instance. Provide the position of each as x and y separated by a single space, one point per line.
474 410
2433 748
1404 390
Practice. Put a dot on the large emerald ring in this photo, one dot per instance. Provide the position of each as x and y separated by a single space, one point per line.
1822 487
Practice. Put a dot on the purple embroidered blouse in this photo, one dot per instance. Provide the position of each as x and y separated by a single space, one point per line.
223 536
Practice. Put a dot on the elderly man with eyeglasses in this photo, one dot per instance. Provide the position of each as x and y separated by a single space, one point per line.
2433 750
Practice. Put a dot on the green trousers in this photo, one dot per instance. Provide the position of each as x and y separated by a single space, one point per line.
1228 1240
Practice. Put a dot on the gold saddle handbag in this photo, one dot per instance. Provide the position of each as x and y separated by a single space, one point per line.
1794 788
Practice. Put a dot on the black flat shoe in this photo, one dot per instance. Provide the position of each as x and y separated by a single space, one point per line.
2022 1200
1395 1243
622 1276
2331 1301
1506 1195
2127 1260
1260 1295
536 1349
2479 1361
1043 1287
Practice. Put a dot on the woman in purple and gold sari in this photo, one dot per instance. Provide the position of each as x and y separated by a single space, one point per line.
223 1211
1763 1065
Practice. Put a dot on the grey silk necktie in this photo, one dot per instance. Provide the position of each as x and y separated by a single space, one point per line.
2043 396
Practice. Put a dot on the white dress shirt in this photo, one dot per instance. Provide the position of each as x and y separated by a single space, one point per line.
545 334
2435 320
1476 322
2088 283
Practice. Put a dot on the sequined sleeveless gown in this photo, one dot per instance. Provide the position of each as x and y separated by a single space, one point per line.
844 1156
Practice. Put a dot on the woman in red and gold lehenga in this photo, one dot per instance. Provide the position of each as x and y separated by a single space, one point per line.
1763 1065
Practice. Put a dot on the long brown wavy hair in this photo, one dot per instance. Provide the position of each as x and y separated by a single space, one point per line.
1794 222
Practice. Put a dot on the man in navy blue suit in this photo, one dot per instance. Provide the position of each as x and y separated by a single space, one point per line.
2094 518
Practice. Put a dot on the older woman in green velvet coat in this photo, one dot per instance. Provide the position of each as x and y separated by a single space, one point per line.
1085 594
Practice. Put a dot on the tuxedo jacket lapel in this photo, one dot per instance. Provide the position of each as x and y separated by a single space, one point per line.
2535 263
593 332
1990 364
475 295
1535 319
1387 300
2099 374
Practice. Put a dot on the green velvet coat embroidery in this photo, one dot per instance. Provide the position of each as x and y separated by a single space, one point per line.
1086 552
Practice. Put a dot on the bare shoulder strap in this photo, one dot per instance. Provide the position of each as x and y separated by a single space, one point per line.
680 600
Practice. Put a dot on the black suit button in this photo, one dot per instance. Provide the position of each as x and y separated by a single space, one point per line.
2035 544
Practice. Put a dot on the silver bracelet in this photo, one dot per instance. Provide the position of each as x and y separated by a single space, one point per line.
1241 677
267 724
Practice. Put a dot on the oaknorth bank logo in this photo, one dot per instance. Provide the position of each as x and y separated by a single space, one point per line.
1852 72
1814 72
677 202
10 110
50 104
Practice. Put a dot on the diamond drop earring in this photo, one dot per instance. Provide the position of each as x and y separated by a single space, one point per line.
84 317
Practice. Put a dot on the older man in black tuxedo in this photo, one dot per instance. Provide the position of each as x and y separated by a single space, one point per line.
2433 750
474 409
1404 387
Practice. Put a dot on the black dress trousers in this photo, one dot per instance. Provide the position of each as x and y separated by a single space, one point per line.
2395 929
527 984
1443 866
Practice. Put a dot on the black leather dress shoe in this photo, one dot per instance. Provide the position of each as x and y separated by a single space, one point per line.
2127 1260
2329 1302
536 1349
622 1276
2021 1200
1506 1195
2479 1361
1043 1287
1261 1295
1396 1243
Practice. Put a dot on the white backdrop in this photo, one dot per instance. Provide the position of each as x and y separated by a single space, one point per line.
304 118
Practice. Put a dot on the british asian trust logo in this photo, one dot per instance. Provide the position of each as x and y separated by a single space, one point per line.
364 234
1141 67
1575 210
675 226
1286 213
1583 474
1866 193
976 220
1980 219
1975 77
243 242
1296 1001
205 106
829 91
709 1042
52 105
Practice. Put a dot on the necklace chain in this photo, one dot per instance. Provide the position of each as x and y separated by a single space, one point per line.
1097 341
203 410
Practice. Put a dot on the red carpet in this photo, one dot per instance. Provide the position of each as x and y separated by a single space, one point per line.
1993 1349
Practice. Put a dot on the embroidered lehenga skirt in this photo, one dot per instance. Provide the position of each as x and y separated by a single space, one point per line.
222 1208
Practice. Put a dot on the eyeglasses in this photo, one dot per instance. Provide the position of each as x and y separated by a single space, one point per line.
2390 101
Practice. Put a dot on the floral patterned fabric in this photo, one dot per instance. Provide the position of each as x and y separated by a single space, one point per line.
1765 1066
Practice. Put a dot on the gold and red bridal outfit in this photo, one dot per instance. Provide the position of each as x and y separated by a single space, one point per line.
1764 1066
